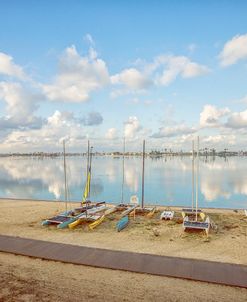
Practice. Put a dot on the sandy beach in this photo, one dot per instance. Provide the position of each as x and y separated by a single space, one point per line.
37 280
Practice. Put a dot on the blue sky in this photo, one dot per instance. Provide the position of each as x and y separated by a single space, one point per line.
165 71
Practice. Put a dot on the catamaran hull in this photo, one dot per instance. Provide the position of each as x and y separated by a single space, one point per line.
123 222
65 224
96 223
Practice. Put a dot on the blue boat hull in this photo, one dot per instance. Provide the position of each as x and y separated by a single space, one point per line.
123 222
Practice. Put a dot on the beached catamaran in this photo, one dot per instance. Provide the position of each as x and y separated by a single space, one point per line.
94 213
87 208
126 208
191 216
143 210
64 216
193 211
134 208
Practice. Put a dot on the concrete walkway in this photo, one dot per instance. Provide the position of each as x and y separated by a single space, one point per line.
200 270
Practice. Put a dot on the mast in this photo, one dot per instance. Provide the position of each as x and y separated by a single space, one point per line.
88 183
197 175
86 188
143 167
122 195
65 176
193 176
88 146
90 170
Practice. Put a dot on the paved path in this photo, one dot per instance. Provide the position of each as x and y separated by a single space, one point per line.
201 270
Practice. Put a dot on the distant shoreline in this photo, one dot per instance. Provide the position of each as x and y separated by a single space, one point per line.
127 154
2 199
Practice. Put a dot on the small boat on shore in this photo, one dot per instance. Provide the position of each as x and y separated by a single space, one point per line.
167 215
190 216
142 210
197 225
122 223
67 214
97 219
151 213
96 222
88 215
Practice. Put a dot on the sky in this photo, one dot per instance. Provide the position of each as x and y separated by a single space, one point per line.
163 71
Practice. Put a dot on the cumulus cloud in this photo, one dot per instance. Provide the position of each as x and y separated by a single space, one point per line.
9 68
59 126
111 134
92 119
162 71
175 66
237 120
211 116
32 122
132 127
77 77
59 118
132 79
21 103
234 50
218 139
174 131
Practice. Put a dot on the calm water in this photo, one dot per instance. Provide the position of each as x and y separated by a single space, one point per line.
222 182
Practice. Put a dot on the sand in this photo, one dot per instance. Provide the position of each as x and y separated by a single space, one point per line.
29 279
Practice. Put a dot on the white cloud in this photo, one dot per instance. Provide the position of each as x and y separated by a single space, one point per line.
59 118
162 71
132 79
178 65
9 68
59 126
174 131
211 116
234 50
237 120
132 127
21 104
77 77
215 140
111 134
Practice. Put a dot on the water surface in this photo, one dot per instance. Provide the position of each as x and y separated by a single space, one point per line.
168 180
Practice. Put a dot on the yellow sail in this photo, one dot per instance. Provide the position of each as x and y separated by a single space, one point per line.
87 187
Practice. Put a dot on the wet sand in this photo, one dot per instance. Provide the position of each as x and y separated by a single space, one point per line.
40 280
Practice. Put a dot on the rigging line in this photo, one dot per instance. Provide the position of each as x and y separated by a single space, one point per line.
193 176
122 195
143 171
65 177
197 175
68 190
86 186
90 171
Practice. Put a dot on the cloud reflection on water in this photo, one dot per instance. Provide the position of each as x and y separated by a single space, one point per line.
167 180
